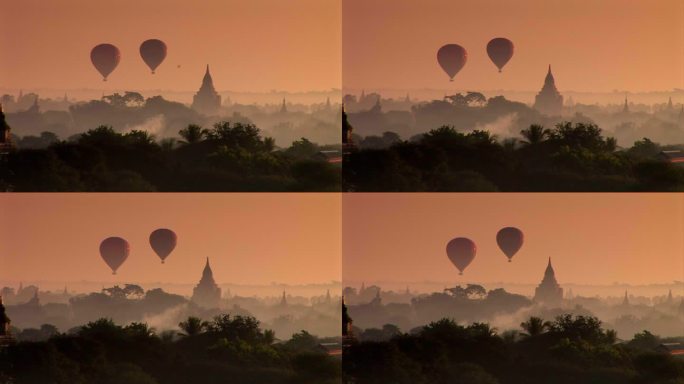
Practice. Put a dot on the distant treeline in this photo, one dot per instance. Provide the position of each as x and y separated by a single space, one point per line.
225 157
225 349
567 157
567 350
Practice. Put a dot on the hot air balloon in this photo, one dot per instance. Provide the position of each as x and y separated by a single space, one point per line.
452 57
510 240
500 50
163 241
114 251
153 52
105 58
461 252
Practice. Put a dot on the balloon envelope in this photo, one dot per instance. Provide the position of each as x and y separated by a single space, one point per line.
114 251
163 241
500 51
452 58
105 58
461 252
510 240
153 52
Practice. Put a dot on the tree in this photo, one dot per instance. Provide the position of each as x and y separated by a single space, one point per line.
535 134
303 341
302 149
534 326
193 326
192 134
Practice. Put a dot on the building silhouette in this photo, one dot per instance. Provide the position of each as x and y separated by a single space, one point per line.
549 292
206 293
207 101
5 322
625 300
348 145
283 300
549 101
348 337
5 133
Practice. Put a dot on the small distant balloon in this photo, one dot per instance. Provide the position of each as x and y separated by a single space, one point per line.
105 58
163 242
510 241
461 251
500 51
114 251
452 58
153 53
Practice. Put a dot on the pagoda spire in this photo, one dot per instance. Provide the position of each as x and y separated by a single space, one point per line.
207 273
207 81
549 273
625 301
549 81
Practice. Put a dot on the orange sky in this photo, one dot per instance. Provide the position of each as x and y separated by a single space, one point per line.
633 45
591 238
251 45
255 238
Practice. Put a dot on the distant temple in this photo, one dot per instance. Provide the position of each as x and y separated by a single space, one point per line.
549 101
5 335
348 145
207 294
348 337
5 133
549 292
207 101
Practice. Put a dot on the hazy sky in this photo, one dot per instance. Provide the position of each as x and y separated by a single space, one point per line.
255 238
633 45
251 45
591 238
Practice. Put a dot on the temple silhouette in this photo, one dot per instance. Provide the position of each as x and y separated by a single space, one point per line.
207 101
5 133
5 334
549 292
207 294
549 101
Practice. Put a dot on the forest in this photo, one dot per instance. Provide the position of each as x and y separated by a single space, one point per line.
231 157
225 349
570 157
568 349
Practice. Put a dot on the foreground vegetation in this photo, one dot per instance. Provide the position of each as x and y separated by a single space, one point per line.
568 157
567 350
224 350
226 157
